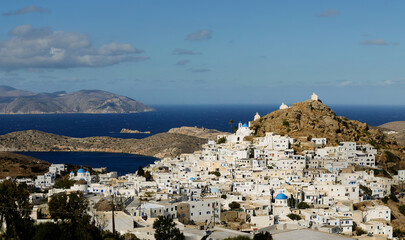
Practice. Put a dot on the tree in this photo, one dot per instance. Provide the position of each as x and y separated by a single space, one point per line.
148 176
231 123
234 205
303 205
393 197
216 173
165 229
140 172
366 190
263 236
360 231
63 183
15 210
238 238
291 202
293 216
71 213
221 140
402 209
48 230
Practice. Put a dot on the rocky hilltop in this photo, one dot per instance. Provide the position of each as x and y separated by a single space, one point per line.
311 118
159 145
14 101
210 134
314 119
17 165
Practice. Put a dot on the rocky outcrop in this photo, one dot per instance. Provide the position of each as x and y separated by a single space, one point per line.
198 132
84 101
125 130
159 145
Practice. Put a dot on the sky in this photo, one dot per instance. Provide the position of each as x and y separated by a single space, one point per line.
208 52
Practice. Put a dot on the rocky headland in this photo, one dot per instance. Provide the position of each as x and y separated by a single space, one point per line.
125 130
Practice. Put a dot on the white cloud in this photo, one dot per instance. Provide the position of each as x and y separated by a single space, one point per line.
329 13
200 35
182 62
199 70
29 9
378 42
181 51
30 47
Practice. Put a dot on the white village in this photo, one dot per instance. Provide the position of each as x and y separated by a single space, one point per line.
234 186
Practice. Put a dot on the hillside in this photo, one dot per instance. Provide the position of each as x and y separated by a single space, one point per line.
304 120
396 130
210 134
13 101
17 165
159 145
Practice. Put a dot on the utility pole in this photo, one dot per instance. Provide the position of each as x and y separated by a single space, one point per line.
113 217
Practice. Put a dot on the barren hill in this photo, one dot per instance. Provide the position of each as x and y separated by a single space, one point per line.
159 145
17 165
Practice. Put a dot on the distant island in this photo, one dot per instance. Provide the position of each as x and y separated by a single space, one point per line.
125 130
15 101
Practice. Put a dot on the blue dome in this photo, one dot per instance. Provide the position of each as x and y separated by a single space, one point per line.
281 196
71 172
192 178
215 190
81 170
87 172
245 125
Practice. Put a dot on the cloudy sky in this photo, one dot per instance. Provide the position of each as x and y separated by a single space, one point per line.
204 52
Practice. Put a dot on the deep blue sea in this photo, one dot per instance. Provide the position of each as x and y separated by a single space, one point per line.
166 117
170 116
120 162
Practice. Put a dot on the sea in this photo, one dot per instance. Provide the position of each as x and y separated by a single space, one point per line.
164 118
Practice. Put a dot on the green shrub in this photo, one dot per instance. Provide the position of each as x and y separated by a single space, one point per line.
234 205
393 197
391 157
263 236
360 232
303 205
216 173
294 217
221 140
402 209
286 123
238 238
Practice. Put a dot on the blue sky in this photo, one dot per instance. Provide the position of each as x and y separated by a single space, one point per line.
206 52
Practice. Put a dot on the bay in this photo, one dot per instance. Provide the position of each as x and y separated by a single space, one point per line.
120 162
